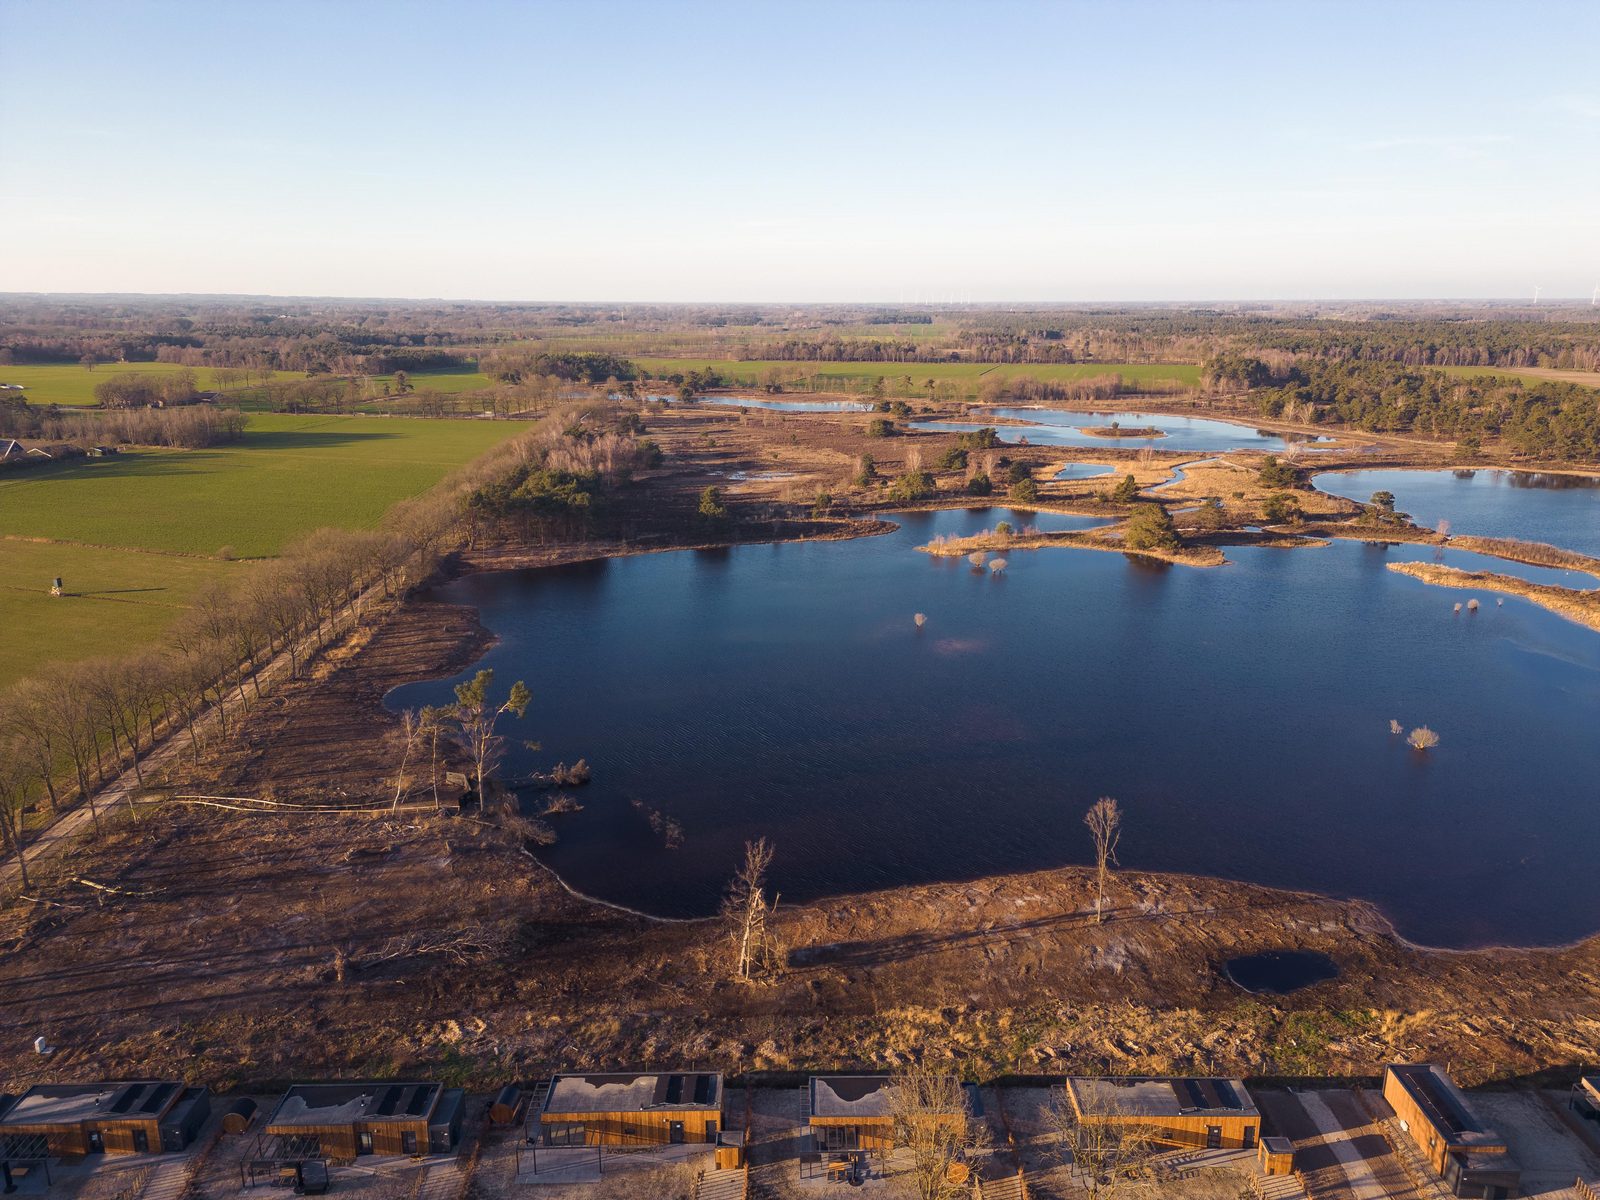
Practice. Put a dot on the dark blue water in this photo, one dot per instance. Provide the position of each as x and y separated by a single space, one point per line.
1055 427
1563 510
1240 714
1280 971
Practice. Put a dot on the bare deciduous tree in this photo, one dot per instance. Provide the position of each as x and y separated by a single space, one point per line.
747 914
1105 826
1107 1153
932 1125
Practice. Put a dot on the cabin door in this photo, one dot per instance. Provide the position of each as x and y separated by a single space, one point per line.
675 1133
364 1142
141 1142
711 1131
1213 1137
1249 1137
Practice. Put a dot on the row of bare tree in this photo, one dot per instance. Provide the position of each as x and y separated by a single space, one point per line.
68 729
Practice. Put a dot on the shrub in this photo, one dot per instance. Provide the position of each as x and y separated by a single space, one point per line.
1422 738
1025 490
986 438
913 485
711 506
822 504
1210 515
1127 491
1003 529
1150 528
879 427
979 485
1278 474
1018 471
866 471
954 459
1281 509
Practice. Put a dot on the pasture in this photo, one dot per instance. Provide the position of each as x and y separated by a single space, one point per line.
133 536
289 475
115 600
71 385
1527 374
1187 374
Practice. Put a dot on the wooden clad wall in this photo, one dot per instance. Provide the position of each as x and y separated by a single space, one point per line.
1189 1132
628 1129
117 1136
341 1142
871 1134
1432 1143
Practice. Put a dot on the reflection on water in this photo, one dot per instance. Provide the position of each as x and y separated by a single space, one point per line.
1241 715
1535 506
1055 427
1077 470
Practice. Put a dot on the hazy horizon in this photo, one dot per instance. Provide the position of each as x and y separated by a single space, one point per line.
1012 153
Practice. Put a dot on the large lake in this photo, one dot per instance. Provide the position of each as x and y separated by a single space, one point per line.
1057 427
1240 714
1535 506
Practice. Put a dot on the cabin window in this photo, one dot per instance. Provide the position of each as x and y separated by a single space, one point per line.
141 1142
408 1142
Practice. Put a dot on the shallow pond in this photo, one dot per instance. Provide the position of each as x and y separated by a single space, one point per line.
1563 510
1077 470
1241 714
1280 971
1056 427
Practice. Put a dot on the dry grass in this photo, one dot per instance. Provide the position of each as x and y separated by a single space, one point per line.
1582 607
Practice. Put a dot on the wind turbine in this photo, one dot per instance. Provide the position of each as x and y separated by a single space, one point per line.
1594 297
1536 290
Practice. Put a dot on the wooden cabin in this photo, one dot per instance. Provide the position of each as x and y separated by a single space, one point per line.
1471 1158
855 1112
341 1121
70 1120
1276 1156
622 1109
1187 1113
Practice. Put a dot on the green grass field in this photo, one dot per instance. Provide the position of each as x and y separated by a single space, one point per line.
72 385
128 525
115 600
69 384
289 475
1526 374
751 372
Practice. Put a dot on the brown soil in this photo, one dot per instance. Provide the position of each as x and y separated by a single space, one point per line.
249 948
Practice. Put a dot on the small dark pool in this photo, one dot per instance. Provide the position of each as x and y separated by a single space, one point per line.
1280 971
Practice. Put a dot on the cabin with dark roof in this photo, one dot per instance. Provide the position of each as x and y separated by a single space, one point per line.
1188 1113
1586 1097
70 1120
341 1121
1469 1155
621 1108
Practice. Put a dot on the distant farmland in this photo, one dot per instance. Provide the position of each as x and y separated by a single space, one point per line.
133 536
72 385
1185 374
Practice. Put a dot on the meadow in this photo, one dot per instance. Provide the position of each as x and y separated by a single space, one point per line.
72 385
114 600
136 535
1187 374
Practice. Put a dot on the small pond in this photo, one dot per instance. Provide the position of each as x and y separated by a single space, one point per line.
1240 714
1280 972
1535 506
1079 470
1056 427
794 406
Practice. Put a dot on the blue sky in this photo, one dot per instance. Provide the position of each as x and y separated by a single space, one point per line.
819 151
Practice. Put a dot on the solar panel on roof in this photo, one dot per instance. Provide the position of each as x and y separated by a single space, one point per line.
125 1101
703 1085
419 1101
389 1102
675 1089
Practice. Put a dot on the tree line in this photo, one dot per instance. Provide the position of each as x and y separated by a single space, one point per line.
186 428
69 728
